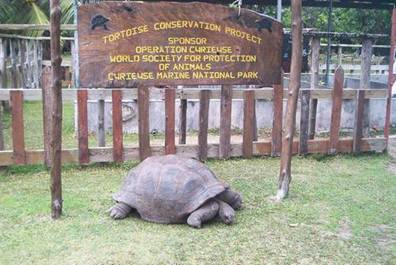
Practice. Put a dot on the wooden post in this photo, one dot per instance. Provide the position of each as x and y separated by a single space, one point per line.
225 121
82 109
336 109
14 75
204 99
294 87
118 143
47 108
315 45
367 51
22 61
101 134
304 122
27 63
3 80
339 55
359 119
391 78
248 123
144 122
170 96
182 121
18 135
56 128
277 121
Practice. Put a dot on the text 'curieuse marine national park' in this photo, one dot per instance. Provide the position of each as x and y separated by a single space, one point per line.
134 43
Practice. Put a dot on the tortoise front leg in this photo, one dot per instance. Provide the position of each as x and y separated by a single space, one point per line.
120 210
204 213
232 198
226 212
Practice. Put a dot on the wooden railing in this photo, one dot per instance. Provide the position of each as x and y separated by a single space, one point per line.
83 154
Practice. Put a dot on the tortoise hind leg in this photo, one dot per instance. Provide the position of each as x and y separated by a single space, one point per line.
204 213
120 210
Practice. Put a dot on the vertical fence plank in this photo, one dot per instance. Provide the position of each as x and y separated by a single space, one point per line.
304 122
225 121
182 121
3 74
39 61
3 83
82 103
170 96
315 44
118 147
366 54
47 107
204 99
248 123
276 141
14 76
35 69
101 135
22 60
336 109
391 77
18 137
358 126
144 122
28 75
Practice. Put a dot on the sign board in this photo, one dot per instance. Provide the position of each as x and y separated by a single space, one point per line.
124 44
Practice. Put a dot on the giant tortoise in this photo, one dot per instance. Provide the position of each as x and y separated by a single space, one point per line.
174 189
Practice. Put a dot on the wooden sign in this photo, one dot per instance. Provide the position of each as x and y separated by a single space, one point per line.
124 44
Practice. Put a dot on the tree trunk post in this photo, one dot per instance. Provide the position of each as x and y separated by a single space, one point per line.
293 91
56 128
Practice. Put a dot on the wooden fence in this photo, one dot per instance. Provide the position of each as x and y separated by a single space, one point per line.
223 149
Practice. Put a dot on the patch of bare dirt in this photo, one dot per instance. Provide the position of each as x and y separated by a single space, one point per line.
345 230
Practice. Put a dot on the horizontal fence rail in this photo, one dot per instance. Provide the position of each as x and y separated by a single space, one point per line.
171 96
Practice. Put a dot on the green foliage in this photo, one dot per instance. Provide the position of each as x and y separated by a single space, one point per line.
344 19
32 12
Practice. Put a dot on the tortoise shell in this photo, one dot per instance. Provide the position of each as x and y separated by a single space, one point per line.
166 189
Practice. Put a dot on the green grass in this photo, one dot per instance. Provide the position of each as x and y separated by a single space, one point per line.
341 210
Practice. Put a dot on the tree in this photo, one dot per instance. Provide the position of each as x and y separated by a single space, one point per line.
33 12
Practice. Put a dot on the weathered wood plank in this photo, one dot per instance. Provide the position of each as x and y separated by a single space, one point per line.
47 107
144 122
276 143
18 132
183 121
304 122
225 121
203 124
101 134
118 145
248 109
315 53
13 61
366 55
336 110
170 96
82 108
358 124
3 78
